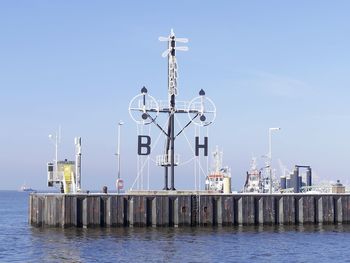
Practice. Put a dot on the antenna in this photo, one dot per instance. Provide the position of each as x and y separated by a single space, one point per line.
172 63
172 36
59 134
172 39
167 52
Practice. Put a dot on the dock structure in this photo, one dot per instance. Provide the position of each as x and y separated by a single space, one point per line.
166 209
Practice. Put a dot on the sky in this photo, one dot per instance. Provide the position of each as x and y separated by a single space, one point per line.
77 64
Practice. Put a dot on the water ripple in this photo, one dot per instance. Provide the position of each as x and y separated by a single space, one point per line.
21 243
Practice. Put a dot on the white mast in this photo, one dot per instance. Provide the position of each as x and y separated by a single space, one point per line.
270 158
77 142
118 155
56 140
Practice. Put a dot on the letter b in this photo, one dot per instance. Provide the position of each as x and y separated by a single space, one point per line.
144 145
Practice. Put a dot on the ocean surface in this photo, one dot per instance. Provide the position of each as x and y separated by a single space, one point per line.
19 242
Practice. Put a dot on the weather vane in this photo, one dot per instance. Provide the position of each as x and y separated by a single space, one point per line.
144 109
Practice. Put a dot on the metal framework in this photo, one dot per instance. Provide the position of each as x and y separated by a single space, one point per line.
201 110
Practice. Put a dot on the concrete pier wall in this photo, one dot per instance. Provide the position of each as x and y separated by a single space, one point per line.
176 210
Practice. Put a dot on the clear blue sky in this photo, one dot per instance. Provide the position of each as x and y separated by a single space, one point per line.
264 64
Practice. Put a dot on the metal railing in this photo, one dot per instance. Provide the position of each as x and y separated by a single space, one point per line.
165 160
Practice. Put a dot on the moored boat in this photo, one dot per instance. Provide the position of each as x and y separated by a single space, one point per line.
219 179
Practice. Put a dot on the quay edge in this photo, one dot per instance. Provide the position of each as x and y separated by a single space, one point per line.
176 209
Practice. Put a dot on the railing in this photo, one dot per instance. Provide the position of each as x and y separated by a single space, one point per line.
180 105
163 105
316 188
55 177
165 160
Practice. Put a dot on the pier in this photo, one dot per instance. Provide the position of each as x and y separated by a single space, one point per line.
177 209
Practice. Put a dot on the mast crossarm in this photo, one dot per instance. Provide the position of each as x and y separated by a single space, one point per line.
186 125
160 127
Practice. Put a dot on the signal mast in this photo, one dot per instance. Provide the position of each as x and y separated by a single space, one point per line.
201 111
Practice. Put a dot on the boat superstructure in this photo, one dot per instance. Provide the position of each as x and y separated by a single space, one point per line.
254 180
261 180
219 178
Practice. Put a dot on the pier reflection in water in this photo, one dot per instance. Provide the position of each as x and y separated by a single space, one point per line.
254 244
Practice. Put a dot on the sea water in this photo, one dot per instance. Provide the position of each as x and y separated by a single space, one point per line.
20 242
